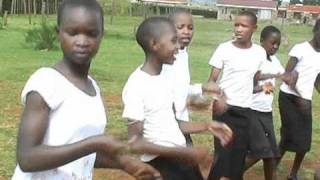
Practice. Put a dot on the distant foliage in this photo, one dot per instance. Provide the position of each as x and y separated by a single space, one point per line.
121 7
43 37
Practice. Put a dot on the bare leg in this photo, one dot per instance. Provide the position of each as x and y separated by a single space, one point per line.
317 175
269 169
250 162
296 165
277 160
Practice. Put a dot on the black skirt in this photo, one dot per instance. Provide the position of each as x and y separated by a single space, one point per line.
296 123
262 139
229 161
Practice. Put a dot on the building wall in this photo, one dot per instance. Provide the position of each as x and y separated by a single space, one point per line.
228 13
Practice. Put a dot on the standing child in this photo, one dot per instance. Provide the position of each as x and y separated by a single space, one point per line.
182 19
263 143
63 122
148 99
295 102
239 60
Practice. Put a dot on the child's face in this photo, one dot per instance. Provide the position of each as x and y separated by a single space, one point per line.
184 26
243 29
271 43
80 34
167 46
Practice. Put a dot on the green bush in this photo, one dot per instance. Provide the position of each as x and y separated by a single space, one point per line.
43 37
121 7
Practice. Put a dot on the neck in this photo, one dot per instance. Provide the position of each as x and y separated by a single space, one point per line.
152 65
242 44
73 70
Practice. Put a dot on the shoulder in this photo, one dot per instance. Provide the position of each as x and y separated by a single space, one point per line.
258 48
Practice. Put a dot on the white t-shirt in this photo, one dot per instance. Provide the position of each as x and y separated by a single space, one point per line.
73 117
238 69
181 77
308 67
149 99
262 101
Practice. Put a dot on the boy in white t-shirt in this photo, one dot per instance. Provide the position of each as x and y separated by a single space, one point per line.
295 101
239 60
183 22
148 99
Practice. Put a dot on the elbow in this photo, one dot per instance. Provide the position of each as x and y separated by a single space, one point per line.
25 162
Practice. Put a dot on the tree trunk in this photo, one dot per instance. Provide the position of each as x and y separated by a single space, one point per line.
24 6
29 10
43 7
113 9
13 3
34 7
1 1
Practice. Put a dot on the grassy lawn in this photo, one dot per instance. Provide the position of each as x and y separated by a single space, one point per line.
118 56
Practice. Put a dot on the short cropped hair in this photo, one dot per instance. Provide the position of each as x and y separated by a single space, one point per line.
173 15
152 28
267 31
91 5
251 15
316 26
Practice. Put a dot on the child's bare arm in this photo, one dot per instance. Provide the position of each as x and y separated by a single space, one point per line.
32 155
214 74
139 145
132 166
220 130
317 83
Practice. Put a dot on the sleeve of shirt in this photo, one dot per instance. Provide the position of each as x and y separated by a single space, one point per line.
216 59
133 102
44 82
195 89
296 51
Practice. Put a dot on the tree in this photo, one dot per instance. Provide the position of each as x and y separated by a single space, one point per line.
1 1
295 2
311 2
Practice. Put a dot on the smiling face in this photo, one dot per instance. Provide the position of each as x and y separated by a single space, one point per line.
184 26
271 43
243 29
80 33
167 46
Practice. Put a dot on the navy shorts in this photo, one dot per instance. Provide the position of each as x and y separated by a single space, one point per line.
262 139
296 123
229 161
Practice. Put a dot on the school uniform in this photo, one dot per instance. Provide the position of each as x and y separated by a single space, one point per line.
149 98
295 105
262 137
238 69
74 116
180 72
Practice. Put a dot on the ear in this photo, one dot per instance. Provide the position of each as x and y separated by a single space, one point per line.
153 44
255 27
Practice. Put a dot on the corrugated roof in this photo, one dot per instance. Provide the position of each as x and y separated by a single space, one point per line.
304 8
270 4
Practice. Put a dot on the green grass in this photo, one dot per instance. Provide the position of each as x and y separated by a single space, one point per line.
118 56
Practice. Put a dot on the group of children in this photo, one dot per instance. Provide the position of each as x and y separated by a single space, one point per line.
61 134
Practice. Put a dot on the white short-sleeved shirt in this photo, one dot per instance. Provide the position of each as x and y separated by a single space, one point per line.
181 76
262 101
149 98
73 117
238 69
308 67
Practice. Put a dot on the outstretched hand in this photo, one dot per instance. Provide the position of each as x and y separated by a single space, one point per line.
140 170
267 88
221 131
